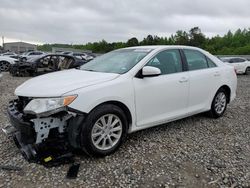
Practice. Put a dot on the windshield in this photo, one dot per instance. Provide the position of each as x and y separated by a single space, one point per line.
119 61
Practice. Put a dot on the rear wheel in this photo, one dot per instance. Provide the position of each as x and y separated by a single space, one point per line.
104 130
219 104
4 66
247 71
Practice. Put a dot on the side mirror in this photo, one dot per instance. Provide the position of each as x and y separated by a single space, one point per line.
149 71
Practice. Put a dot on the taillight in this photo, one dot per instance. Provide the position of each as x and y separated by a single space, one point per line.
235 71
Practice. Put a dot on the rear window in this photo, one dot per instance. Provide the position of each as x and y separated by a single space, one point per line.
196 60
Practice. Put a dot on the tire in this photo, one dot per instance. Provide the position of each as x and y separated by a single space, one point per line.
4 66
95 139
247 71
219 104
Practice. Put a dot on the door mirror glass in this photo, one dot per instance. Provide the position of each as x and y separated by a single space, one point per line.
149 71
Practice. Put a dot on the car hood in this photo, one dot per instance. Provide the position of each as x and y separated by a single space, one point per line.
9 59
58 83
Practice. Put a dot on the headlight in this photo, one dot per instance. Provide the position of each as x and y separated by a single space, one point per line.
48 105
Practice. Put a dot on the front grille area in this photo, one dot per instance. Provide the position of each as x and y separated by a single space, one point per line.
22 102
21 122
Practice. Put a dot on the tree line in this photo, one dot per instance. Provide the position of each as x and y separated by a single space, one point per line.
232 43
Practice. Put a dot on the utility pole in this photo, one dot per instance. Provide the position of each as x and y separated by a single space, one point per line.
3 41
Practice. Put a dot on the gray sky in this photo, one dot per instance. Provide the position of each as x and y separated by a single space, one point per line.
82 21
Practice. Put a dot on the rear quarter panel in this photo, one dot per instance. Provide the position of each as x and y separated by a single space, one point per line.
229 78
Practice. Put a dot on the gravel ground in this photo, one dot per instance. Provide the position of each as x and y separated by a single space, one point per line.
193 152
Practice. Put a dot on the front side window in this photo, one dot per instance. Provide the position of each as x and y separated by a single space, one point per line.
119 61
168 61
45 60
229 60
195 59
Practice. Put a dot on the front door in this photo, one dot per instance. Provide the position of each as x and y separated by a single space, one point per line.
162 98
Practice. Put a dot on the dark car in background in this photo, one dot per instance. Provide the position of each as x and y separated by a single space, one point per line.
45 64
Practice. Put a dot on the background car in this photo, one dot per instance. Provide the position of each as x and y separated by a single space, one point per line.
80 55
44 64
28 55
83 56
9 54
241 65
66 52
6 62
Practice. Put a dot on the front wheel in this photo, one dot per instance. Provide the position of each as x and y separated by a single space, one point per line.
219 104
104 130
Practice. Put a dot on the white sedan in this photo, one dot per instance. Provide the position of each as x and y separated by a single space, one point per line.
241 65
28 55
5 63
93 108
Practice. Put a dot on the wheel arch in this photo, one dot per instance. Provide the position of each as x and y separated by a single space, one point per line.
5 61
124 108
228 92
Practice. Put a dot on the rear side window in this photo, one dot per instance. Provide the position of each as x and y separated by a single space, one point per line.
239 60
235 60
211 63
196 60
168 61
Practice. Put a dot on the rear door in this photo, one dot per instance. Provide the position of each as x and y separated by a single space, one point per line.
162 98
204 79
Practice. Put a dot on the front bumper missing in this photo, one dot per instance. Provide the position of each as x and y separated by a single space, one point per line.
38 138
9 130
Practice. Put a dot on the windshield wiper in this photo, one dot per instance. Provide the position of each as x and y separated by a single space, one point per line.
90 70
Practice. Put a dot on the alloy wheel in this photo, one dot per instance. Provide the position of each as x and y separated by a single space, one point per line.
220 102
4 66
106 132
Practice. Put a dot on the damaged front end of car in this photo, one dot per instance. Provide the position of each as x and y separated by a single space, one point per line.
22 69
43 127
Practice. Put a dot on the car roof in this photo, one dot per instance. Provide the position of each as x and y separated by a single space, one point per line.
55 54
51 54
155 47
228 58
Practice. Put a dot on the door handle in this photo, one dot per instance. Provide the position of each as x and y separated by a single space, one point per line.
183 79
216 74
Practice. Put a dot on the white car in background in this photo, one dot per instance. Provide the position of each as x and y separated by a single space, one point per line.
241 65
28 55
9 54
5 63
80 55
93 108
